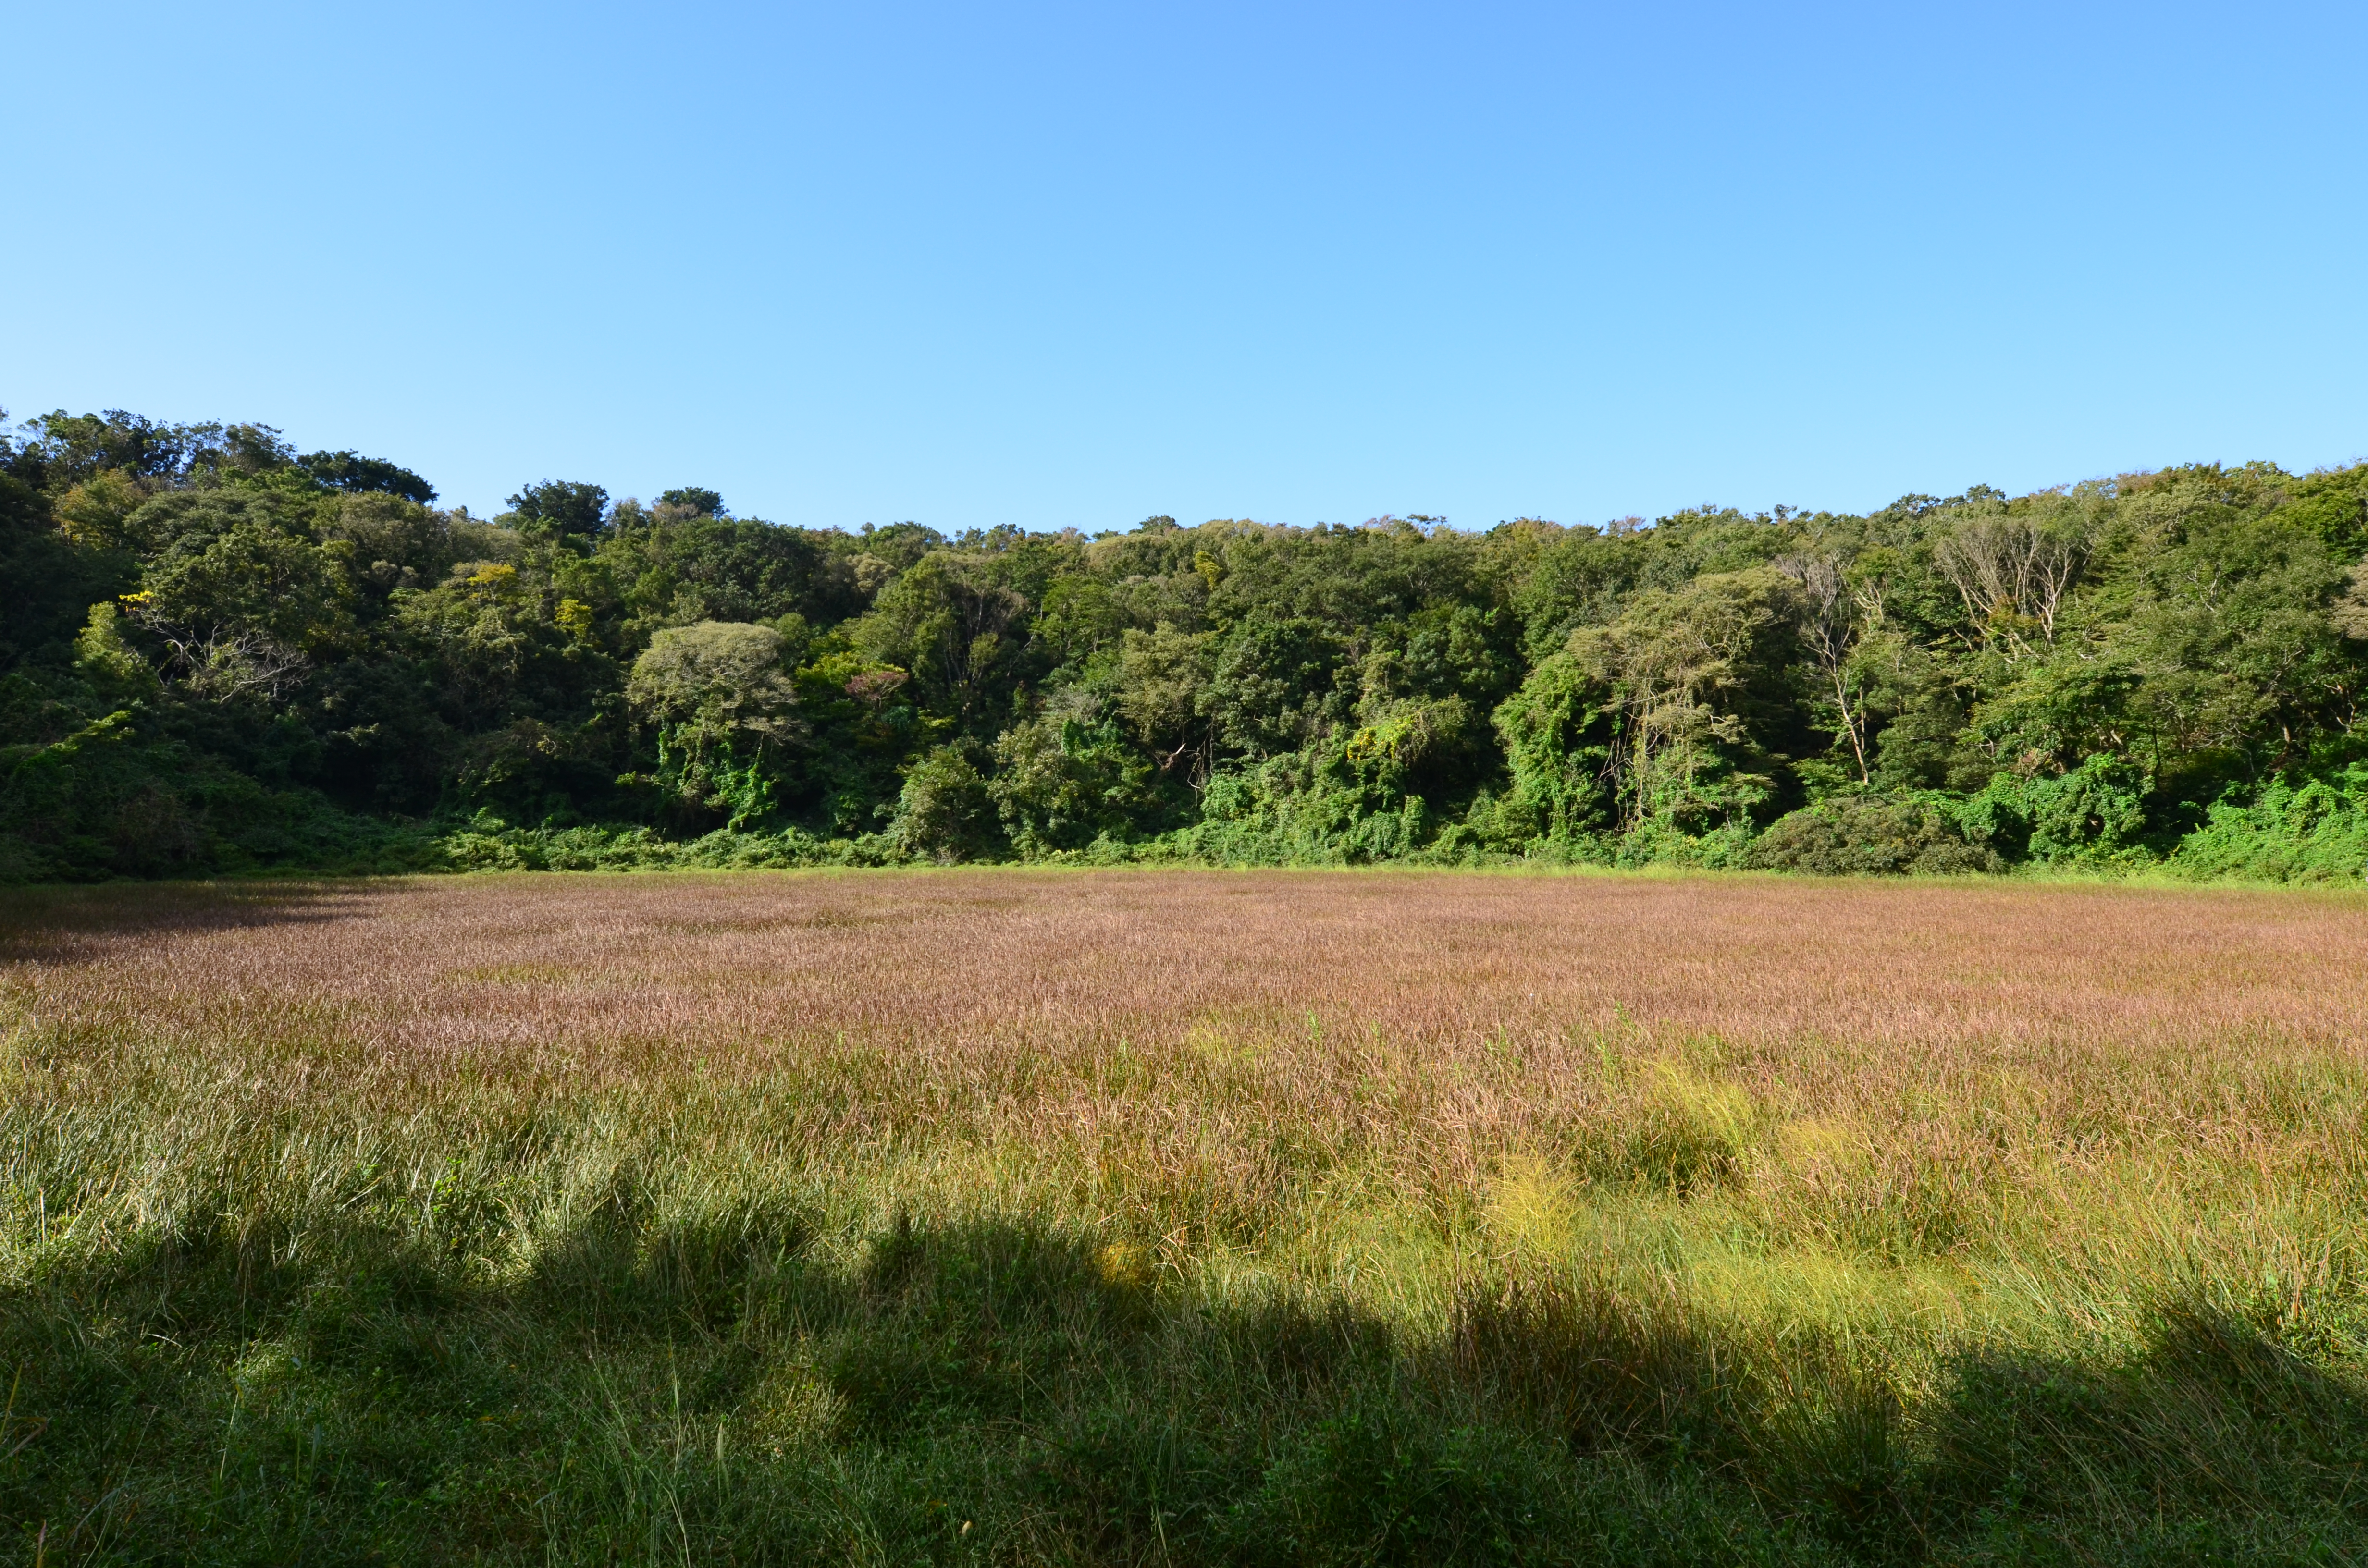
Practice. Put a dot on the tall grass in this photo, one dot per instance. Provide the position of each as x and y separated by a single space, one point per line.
1183 1217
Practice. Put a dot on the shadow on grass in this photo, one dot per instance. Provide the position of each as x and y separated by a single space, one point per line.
37 921
725 1390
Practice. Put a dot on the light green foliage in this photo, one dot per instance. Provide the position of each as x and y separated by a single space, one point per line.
1558 731
97 514
1675 666
2294 829
722 704
103 658
715 679
397 543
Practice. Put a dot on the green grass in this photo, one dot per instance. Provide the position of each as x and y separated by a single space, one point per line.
592 1345
265 1298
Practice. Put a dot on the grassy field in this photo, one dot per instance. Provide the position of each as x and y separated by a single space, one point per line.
1193 1217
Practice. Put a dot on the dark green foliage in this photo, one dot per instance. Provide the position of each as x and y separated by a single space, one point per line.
1059 785
1857 835
360 476
2167 668
694 500
559 509
51 581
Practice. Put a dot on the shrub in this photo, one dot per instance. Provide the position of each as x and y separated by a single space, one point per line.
1857 835
2094 809
945 812
2291 830
1061 785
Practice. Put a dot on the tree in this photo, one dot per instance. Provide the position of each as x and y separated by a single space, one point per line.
1672 662
69 448
1560 734
1164 677
674 567
1831 619
693 501
243 604
944 810
2012 571
1274 686
721 705
2084 673
1061 783
957 630
358 475
561 510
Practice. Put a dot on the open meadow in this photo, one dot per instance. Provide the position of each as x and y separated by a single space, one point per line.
1193 1217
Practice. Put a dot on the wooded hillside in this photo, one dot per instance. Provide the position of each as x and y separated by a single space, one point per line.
218 654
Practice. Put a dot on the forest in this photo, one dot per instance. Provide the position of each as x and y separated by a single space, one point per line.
219 655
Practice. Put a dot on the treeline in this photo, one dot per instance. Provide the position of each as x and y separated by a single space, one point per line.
218 654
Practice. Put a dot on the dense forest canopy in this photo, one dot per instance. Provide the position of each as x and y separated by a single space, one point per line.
217 653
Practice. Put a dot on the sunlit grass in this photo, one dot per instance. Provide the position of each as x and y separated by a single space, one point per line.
1184 1216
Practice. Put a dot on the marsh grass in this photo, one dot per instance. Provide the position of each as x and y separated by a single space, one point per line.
1182 1217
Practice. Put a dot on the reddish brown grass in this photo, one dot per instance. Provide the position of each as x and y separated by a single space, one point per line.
1442 961
1431 1022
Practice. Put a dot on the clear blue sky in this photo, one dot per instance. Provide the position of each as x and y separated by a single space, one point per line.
1062 265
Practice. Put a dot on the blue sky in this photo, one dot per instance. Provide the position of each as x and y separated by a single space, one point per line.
1059 265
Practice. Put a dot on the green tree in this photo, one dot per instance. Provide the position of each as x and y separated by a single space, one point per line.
360 475
1674 665
243 604
1164 680
721 705
945 811
1060 784
959 632
561 511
